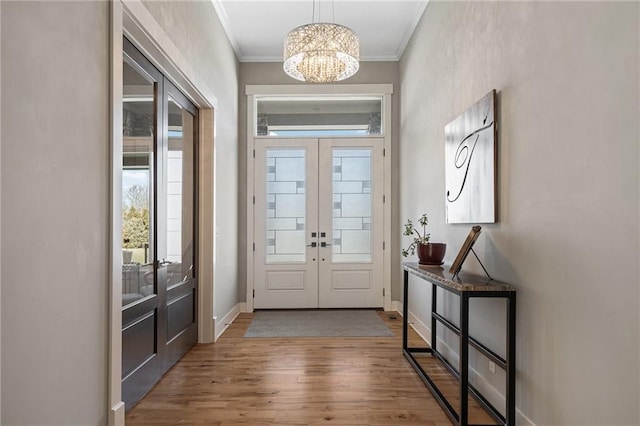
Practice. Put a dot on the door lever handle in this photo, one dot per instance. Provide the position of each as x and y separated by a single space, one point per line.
313 244
164 262
323 244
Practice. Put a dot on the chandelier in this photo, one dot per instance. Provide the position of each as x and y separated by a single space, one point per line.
321 53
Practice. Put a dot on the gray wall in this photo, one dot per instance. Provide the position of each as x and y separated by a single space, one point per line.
55 196
567 77
195 29
55 183
256 73
0 219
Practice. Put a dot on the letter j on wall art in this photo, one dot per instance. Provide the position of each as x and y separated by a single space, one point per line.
470 164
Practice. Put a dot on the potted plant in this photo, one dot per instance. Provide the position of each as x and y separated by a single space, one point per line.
428 253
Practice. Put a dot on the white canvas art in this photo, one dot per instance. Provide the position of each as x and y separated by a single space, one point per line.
470 159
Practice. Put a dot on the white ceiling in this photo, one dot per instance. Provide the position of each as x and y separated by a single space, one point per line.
257 28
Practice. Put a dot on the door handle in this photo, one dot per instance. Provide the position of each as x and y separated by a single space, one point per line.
323 244
313 244
163 262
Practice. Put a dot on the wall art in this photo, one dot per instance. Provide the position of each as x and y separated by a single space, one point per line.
470 164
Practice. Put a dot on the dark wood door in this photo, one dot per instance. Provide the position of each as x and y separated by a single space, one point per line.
176 271
159 205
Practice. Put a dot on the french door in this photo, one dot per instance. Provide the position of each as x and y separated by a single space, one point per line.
159 205
318 223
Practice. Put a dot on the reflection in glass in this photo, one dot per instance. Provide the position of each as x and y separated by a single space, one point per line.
352 205
138 139
180 193
286 211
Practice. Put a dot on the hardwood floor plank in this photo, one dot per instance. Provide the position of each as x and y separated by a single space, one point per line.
297 381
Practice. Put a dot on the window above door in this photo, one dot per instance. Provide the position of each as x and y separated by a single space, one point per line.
318 116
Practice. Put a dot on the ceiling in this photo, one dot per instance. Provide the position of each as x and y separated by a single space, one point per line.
257 28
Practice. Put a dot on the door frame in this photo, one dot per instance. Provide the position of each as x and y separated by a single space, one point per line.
385 91
131 18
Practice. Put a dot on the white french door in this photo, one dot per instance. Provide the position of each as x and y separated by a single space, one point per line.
318 223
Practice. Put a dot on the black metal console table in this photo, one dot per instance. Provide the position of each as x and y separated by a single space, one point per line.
466 286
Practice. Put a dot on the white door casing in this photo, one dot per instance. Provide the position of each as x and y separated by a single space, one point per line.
255 92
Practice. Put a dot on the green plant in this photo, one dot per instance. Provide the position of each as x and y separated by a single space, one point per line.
418 238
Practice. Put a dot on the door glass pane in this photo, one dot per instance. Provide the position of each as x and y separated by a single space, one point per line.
138 140
286 201
180 192
352 205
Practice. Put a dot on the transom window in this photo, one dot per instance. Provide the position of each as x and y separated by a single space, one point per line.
318 116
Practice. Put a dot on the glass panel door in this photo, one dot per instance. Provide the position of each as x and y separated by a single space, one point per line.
176 270
158 225
350 213
141 325
286 214
318 223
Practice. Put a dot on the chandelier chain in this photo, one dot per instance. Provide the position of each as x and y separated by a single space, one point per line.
333 11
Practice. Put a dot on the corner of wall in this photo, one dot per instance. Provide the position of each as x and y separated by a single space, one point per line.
224 323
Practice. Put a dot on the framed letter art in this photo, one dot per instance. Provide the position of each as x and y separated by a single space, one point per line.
470 164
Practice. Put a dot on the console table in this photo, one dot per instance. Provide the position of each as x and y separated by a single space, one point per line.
465 286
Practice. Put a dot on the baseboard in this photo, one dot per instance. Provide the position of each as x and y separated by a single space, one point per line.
225 322
116 414
482 384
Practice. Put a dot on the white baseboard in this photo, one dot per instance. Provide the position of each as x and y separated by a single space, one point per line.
116 414
225 322
482 384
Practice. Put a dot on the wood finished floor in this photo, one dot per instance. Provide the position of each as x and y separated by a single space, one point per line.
299 381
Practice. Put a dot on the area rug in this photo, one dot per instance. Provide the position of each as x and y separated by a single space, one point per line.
318 323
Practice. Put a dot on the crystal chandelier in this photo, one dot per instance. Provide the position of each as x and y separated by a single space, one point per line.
321 53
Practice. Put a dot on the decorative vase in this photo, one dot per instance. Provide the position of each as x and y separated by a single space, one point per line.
431 253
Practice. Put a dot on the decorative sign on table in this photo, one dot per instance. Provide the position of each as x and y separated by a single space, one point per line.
470 164
467 246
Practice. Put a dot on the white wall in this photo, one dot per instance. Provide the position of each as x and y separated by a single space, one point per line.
567 77
256 73
196 30
55 182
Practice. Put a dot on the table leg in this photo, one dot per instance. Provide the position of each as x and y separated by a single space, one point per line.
434 309
511 360
464 360
405 310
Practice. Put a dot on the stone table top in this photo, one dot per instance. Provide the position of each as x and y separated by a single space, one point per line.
440 275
